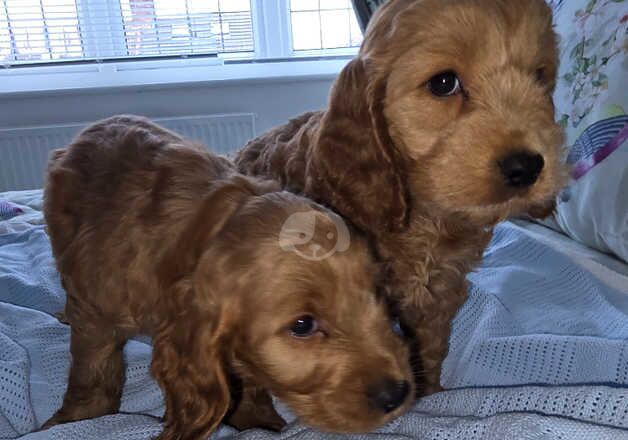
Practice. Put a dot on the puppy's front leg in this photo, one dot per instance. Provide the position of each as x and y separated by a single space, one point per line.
255 410
96 376
433 331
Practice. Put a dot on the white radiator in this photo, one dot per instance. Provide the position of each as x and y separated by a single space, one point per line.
24 151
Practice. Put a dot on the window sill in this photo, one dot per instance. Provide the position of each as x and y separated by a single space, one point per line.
169 73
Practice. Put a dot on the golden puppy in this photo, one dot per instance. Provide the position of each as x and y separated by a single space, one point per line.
442 126
154 235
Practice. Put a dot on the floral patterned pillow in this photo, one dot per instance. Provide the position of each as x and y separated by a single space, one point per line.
591 103
593 74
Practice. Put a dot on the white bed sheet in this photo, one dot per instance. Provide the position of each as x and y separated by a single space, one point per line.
518 375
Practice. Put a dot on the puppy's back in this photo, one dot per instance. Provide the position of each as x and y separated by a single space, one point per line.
123 167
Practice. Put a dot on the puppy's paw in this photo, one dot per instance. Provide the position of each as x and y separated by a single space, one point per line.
63 319
261 417
431 389
52 421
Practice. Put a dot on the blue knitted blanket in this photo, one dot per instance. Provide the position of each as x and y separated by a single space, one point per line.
539 351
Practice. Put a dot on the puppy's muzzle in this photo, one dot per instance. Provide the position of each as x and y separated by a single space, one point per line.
521 169
388 395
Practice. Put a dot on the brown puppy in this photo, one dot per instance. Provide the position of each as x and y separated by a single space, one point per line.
153 235
442 126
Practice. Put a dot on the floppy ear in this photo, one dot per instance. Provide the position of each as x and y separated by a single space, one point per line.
189 362
191 347
353 164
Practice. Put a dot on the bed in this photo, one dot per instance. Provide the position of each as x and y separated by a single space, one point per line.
539 351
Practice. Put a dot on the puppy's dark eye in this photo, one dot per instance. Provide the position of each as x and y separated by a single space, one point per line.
304 326
444 84
397 328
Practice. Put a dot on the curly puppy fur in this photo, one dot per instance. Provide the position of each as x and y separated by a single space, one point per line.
154 235
422 174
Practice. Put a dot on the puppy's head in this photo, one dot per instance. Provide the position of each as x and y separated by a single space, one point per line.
284 297
312 330
460 92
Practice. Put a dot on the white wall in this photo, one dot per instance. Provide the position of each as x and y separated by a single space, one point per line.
273 101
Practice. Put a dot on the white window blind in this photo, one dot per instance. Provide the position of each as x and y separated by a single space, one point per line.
44 31
323 24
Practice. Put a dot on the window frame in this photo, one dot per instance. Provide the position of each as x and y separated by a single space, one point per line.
274 28
273 59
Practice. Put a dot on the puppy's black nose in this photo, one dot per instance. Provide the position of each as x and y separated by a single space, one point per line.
388 395
521 169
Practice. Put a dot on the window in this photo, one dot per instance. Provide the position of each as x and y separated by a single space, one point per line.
35 31
49 31
175 27
323 24
39 30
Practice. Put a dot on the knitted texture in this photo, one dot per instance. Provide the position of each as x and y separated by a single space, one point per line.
533 317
